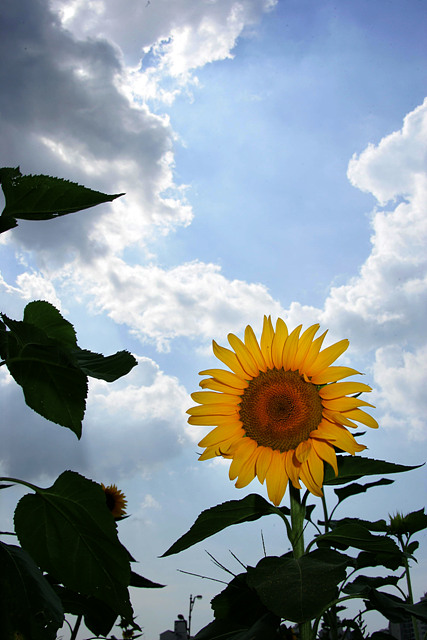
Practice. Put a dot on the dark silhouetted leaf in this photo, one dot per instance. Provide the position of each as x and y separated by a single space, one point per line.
363 584
224 515
358 537
70 533
355 488
394 608
144 583
108 368
27 601
352 468
298 590
52 386
98 617
40 197
46 317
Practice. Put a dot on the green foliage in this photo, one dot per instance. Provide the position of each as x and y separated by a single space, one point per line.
28 604
42 355
73 537
224 515
299 589
352 468
240 614
70 559
42 197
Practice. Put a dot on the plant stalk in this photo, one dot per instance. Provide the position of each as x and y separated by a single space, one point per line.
297 541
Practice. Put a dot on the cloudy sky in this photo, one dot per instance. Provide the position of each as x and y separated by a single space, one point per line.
273 155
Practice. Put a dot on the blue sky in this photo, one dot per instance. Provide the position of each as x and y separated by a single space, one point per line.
273 157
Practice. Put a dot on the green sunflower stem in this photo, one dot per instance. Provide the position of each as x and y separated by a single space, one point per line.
297 541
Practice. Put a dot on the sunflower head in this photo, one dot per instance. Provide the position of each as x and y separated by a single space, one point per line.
116 500
279 411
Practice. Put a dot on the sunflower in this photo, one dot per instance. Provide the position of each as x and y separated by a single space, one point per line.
280 411
116 500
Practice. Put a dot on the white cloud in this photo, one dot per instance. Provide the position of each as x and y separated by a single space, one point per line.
192 300
131 427
136 424
401 377
395 166
185 34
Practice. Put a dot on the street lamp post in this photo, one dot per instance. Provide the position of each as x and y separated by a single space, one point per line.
192 601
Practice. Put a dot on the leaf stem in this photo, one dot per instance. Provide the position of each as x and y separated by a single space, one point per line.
23 482
297 541
409 585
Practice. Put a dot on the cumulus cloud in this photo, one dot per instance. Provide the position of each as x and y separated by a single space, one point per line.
395 166
66 116
192 300
183 34
386 303
132 426
401 377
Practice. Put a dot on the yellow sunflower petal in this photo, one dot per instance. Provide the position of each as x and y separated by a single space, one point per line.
252 344
226 377
266 341
243 451
224 432
340 418
326 452
213 410
211 420
338 436
244 355
278 343
210 383
304 345
210 397
292 467
276 478
316 468
302 451
308 480
247 471
327 356
230 359
345 404
312 353
361 416
331 374
263 463
290 349
340 389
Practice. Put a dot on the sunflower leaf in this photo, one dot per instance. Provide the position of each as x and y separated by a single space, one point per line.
42 355
99 618
363 584
144 583
224 515
40 197
359 537
108 368
52 386
394 608
356 488
70 533
48 319
352 468
28 601
239 612
299 589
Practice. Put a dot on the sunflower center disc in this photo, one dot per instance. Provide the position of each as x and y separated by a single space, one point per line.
279 409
